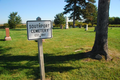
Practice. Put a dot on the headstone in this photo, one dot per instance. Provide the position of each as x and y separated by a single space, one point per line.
80 26
86 27
66 27
61 26
7 37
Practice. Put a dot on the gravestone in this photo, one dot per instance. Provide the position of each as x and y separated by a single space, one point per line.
86 27
61 26
66 27
80 26
7 37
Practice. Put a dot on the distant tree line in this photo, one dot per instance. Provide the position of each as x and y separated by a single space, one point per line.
114 20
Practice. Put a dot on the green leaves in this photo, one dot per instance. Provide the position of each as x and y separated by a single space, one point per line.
78 8
14 20
59 19
114 20
90 13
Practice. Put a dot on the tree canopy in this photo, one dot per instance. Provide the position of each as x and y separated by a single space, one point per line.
90 14
59 19
77 8
14 20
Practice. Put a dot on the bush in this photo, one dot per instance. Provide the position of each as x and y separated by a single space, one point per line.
14 20
2 27
70 23
21 26
6 25
114 25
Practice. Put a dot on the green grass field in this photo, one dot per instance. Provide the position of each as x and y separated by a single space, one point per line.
62 56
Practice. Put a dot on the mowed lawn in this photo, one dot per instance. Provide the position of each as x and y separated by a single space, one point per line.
63 56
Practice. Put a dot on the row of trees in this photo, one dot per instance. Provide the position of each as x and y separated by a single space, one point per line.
60 21
114 20
79 10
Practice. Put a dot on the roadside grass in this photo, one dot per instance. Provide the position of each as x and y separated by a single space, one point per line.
63 56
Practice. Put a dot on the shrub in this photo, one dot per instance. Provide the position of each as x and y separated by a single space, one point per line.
6 25
21 26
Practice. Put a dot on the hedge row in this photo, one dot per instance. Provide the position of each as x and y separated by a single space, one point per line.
7 26
83 25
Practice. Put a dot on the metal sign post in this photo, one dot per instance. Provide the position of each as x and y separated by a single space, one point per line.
38 30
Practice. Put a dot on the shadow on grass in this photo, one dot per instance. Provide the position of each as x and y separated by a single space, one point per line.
2 39
56 28
3 50
91 31
12 64
51 59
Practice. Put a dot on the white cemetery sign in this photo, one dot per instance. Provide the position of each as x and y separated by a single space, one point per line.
39 29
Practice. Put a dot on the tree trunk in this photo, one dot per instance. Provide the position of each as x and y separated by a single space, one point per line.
74 14
73 20
101 39
61 26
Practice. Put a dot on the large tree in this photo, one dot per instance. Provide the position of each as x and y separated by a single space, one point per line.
14 20
101 40
59 20
76 7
